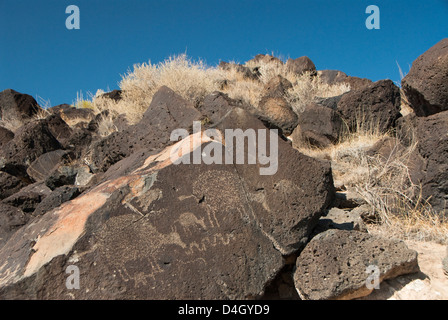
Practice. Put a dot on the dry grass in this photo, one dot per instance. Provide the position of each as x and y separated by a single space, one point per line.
306 89
385 184
81 102
193 80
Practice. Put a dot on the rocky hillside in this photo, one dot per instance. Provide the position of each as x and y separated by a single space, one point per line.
98 188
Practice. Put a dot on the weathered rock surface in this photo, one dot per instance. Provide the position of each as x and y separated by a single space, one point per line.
30 141
72 115
318 126
426 84
168 111
5 136
432 136
115 95
42 167
11 219
375 106
219 232
10 185
273 107
337 77
333 265
16 108
28 198
56 198
300 66
340 219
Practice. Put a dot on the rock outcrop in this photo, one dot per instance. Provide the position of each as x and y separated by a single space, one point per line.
221 231
318 126
335 264
376 106
16 108
426 84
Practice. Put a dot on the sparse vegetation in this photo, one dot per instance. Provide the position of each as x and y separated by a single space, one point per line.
193 80
384 184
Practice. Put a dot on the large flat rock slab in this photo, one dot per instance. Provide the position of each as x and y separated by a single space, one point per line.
333 266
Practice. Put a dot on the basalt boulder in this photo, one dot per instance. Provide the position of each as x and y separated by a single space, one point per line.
16 108
334 77
5 136
43 166
11 219
167 111
274 109
10 184
343 265
374 107
30 141
426 84
300 66
432 136
28 198
318 126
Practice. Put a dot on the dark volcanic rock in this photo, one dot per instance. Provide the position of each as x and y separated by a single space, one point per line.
11 219
318 126
10 185
432 136
333 265
30 141
301 65
29 197
426 84
59 108
168 111
41 168
277 113
115 95
56 198
333 77
331 102
5 136
277 87
16 107
273 107
59 128
61 176
74 115
375 106
166 231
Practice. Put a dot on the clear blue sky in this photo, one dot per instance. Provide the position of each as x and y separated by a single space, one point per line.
39 56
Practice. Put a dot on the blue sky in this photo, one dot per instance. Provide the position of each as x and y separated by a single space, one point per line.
41 57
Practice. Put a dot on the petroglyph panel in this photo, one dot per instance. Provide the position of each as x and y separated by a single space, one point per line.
196 241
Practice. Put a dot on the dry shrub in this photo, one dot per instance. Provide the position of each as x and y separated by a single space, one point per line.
192 80
307 88
385 184
402 211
